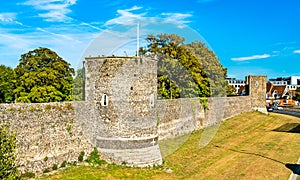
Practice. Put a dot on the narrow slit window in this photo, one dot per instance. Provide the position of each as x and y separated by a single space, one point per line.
104 100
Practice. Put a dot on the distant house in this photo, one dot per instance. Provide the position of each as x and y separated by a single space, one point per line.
242 91
278 94
292 82
236 83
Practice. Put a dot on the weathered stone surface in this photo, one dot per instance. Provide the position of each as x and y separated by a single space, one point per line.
47 134
127 122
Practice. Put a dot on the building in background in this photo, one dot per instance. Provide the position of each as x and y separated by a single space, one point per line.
280 91
292 82
239 85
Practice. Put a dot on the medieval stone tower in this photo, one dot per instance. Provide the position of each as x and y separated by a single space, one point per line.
121 122
257 92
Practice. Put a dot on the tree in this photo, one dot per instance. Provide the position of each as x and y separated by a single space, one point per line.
214 71
192 69
8 168
7 81
78 85
230 90
43 76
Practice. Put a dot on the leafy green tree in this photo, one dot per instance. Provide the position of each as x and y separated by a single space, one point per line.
7 81
78 85
43 76
8 168
185 70
214 71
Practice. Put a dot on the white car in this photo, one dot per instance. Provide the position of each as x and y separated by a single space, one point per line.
277 108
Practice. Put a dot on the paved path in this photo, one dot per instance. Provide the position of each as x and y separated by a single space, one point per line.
292 113
295 176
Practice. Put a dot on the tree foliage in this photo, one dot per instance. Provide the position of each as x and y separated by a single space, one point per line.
7 81
185 70
214 70
8 168
230 90
78 85
43 76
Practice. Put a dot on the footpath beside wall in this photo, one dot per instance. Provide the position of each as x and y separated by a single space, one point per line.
47 134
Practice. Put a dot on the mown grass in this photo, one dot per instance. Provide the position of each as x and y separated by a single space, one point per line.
245 147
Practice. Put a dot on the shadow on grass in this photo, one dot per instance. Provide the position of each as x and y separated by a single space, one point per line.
289 128
295 168
250 153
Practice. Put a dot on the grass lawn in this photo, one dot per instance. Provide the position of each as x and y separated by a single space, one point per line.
248 146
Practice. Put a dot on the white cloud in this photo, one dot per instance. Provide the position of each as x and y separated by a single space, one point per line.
7 17
179 18
130 16
91 26
263 56
126 16
296 51
68 41
52 10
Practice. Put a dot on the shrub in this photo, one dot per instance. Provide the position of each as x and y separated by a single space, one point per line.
46 170
8 168
28 175
54 167
68 128
63 164
81 155
46 158
94 158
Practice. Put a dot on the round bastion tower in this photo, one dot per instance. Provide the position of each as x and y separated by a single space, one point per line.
120 121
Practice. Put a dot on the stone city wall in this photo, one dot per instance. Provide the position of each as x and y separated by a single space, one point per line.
47 134
50 133
181 116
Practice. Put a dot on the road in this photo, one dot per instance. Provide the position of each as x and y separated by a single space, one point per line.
289 111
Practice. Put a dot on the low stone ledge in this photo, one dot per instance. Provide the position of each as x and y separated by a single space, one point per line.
126 143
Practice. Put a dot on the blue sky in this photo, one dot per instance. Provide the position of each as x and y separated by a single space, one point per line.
248 36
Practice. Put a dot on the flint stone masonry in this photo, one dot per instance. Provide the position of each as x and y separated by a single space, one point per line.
127 122
182 116
47 134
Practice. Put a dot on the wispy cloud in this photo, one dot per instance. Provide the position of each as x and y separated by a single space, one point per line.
179 18
263 56
7 17
126 16
52 10
91 26
296 51
129 16
64 36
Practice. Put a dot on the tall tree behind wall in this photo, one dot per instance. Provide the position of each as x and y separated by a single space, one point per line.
7 81
43 76
190 70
